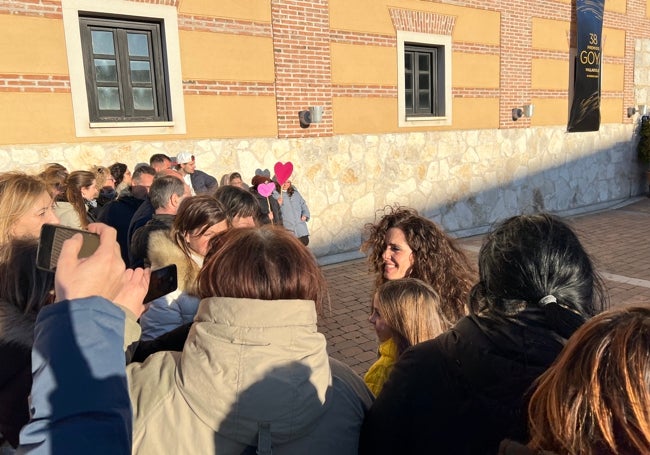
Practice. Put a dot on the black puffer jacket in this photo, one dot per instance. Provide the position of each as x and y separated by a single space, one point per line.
463 392
16 339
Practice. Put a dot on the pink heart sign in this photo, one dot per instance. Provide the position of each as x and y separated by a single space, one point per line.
283 171
266 189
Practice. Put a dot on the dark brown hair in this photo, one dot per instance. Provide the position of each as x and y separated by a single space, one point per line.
195 212
595 398
266 263
436 258
74 183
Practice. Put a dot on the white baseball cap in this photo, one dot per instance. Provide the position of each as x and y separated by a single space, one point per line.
184 157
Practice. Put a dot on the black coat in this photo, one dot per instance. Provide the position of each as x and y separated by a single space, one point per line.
265 203
463 392
143 214
16 339
139 247
118 214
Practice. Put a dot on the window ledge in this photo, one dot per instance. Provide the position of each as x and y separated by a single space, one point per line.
130 124
425 121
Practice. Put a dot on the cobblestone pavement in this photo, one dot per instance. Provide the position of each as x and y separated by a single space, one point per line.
615 238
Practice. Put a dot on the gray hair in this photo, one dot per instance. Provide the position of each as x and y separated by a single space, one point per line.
163 188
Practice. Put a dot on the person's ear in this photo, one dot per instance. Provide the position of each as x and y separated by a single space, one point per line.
174 200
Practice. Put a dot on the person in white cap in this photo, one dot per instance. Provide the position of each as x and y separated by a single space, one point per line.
198 181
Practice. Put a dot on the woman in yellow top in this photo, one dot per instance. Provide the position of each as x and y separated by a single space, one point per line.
404 312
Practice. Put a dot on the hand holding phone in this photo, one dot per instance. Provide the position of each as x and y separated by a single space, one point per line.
163 281
51 242
101 273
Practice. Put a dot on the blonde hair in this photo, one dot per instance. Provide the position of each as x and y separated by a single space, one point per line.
413 311
18 193
101 174
595 398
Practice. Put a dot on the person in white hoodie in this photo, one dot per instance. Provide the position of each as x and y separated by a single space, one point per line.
254 375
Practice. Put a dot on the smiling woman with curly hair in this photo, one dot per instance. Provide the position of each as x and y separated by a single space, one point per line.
405 244
465 391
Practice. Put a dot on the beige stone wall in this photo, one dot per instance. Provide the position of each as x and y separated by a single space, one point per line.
642 72
464 180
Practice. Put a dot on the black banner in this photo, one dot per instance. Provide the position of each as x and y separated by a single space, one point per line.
585 106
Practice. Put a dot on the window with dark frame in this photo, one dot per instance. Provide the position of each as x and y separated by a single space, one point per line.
124 69
424 80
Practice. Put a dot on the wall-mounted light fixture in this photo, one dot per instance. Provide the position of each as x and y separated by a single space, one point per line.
313 115
642 109
526 111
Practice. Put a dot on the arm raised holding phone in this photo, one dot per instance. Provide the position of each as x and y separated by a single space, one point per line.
80 400
102 274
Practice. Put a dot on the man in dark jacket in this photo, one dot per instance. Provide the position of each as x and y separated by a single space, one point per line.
199 181
118 213
166 194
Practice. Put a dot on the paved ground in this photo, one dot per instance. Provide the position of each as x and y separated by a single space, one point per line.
615 238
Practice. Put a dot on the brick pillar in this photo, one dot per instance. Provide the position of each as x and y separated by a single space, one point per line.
516 64
301 49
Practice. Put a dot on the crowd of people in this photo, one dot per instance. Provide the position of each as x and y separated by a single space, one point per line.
519 355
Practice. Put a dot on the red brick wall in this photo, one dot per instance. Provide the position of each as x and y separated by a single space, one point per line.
301 42
301 46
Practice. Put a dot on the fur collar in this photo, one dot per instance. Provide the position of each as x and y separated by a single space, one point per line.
16 327
163 251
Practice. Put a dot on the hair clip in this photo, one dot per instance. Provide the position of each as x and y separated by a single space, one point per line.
547 299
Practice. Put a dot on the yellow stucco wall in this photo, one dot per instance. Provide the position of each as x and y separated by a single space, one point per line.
613 42
612 77
252 10
550 34
230 116
472 25
354 64
475 113
549 74
37 118
550 112
364 115
362 15
611 110
617 6
379 115
475 70
32 45
217 56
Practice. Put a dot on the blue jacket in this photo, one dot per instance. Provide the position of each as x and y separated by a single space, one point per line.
80 402
293 209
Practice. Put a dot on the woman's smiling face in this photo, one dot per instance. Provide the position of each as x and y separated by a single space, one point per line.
398 256
41 212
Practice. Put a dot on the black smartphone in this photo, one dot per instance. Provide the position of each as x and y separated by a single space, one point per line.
163 281
51 241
